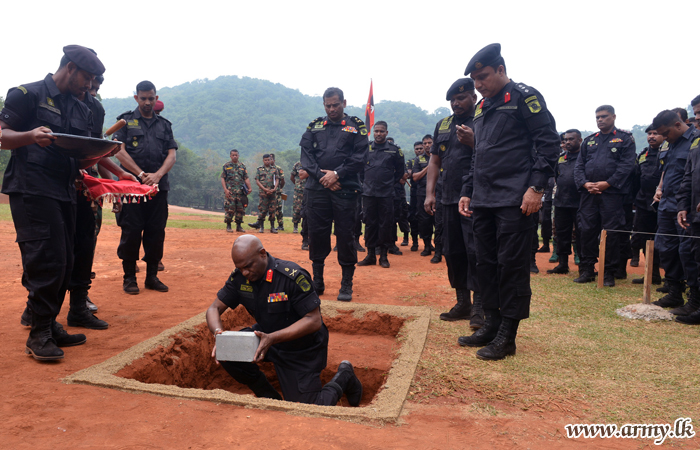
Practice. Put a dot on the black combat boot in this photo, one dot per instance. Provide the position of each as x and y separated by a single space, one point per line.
26 319
692 305
691 319
152 282
504 343
533 264
460 311
255 225
562 267
544 248
304 244
555 256
634 262
41 344
383 258
130 286
427 248
358 246
370 259
414 247
346 382
80 316
476 320
405 240
674 298
272 227
585 275
621 269
345 292
484 335
665 288
63 339
239 228
319 286
437 257
228 227
394 250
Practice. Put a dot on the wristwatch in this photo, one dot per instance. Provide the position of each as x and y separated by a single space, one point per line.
537 189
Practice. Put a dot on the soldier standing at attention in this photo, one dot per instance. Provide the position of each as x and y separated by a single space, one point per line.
148 151
333 152
233 176
425 220
40 181
267 179
516 148
602 173
413 196
385 167
278 194
455 159
298 177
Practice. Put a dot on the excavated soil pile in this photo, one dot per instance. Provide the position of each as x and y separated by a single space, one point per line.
369 342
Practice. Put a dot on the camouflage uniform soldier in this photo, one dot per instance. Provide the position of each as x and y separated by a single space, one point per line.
267 178
233 177
299 183
280 186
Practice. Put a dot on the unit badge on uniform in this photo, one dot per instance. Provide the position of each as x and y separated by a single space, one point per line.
533 104
614 149
442 147
135 143
695 143
49 100
363 131
303 283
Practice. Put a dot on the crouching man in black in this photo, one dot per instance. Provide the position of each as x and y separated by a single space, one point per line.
292 334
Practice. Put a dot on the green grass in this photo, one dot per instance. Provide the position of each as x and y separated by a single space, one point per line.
576 355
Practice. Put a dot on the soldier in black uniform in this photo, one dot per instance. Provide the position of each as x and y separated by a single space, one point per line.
645 218
149 153
292 334
40 181
516 147
425 221
385 167
454 158
413 196
566 201
602 173
675 253
333 152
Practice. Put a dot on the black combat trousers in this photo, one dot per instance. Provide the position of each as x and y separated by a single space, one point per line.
600 211
413 215
84 246
401 216
459 248
322 209
425 220
145 222
503 239
675 253
45 232
546 221
645 222
565 224
378 213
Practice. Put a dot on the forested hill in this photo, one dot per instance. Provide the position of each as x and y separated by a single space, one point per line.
255 115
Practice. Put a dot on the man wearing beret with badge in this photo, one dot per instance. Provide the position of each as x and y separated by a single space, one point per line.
455 159
515 149
279 295
148 151
40 182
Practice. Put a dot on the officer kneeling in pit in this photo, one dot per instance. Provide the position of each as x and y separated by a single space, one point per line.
290 327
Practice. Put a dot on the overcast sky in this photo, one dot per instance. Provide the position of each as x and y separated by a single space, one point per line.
638 56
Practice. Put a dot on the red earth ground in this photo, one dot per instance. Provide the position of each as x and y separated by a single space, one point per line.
39 411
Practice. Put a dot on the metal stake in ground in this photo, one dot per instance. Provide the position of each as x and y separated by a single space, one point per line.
601 257
648 266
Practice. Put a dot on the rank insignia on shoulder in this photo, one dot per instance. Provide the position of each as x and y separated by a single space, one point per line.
133 123
350 129
318 125
23 89
695 143
562 159
642 158
533 104
49 100
246 287
422 159
478 111
445 123
303 283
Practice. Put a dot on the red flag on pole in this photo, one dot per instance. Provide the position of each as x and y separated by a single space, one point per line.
369 110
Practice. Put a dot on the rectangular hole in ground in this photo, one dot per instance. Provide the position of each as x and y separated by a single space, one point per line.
369 342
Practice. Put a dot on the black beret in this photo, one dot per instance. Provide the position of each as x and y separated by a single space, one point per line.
84 58
650 128
461 85
487 56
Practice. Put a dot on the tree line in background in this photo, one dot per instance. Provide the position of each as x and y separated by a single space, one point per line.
211 117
